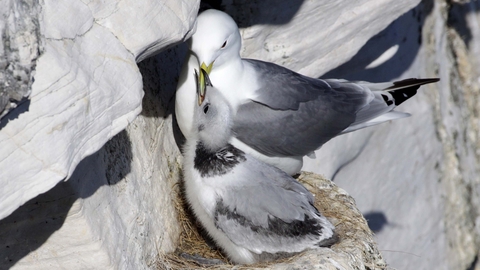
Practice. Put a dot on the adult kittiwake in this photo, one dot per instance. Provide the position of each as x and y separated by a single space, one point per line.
253 211
279 115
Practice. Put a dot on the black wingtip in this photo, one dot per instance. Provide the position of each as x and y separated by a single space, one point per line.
411 82
405 89
403 94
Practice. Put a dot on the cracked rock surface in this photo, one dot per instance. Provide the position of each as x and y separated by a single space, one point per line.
87 87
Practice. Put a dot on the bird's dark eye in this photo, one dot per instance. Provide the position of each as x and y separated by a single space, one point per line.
205 108
224 44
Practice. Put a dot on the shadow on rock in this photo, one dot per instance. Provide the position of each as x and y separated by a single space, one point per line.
31 225
457 18
160 75
249 13
160 78
376 221
22 107
404 34
118 158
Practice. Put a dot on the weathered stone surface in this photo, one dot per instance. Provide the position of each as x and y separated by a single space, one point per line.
51 232
116 211
311 37
87 89
416 179
19 49
157 24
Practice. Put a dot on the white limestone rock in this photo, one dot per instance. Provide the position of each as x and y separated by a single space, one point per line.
117 208
144 27
51 232
417 178
311 37
87 89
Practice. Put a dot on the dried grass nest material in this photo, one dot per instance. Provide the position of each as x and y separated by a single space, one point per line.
355 250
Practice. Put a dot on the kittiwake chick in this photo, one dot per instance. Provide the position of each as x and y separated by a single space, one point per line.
253 211
279 115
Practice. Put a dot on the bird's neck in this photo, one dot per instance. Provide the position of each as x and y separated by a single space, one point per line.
212 163
232 81
233 66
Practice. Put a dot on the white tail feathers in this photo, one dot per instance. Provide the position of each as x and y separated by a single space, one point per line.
392 115
387 96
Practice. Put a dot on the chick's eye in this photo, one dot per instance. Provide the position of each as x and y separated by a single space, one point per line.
224 44
205 109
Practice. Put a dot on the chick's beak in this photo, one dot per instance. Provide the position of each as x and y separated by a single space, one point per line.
203 80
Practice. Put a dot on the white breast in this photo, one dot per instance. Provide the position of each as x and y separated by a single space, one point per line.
201 196
185 96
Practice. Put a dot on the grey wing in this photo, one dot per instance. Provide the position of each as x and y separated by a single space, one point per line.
294 114
271 216
284 89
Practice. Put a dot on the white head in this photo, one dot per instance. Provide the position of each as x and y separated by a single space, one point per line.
216 40
212 119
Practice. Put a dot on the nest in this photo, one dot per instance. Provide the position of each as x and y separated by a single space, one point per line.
355 249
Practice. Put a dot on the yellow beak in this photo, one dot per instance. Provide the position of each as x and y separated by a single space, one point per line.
202 87
203 81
